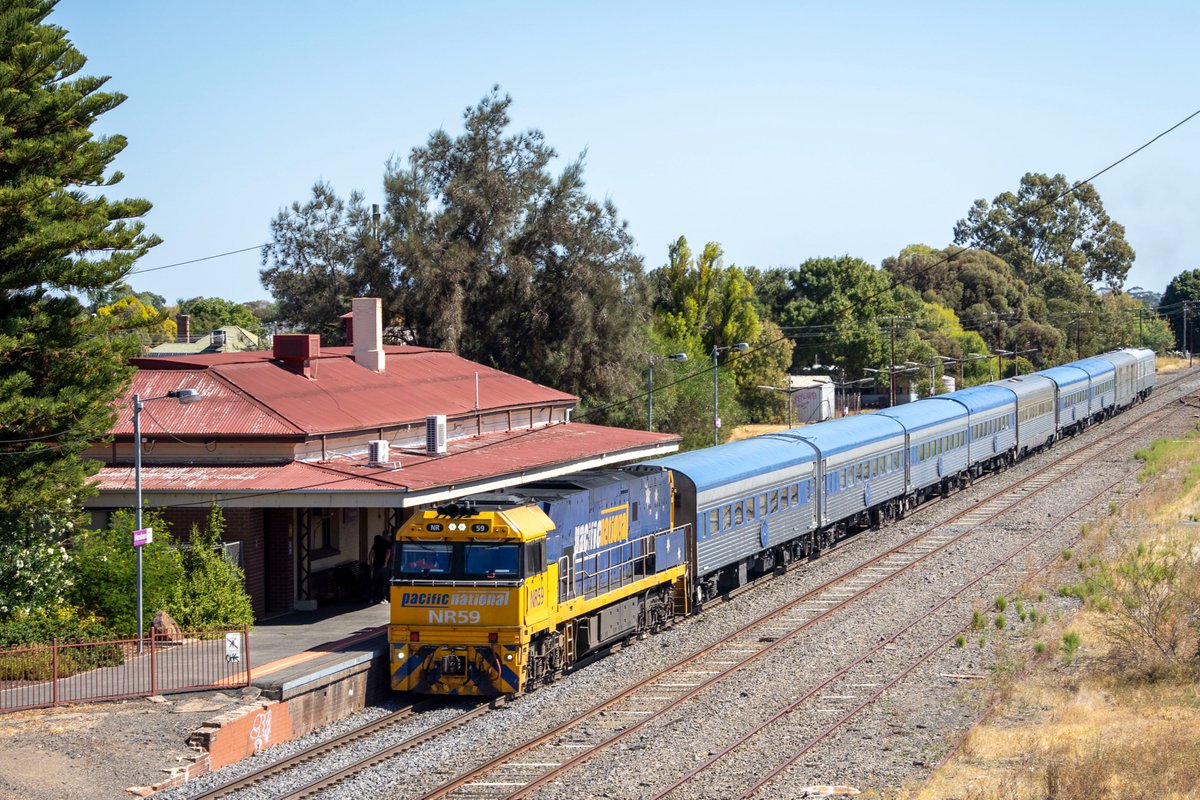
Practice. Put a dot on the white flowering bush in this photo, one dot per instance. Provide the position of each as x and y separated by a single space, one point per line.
35 567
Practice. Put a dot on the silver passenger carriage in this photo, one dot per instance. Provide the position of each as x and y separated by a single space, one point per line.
992 437
936 445
1036 426
1071 406
1125 366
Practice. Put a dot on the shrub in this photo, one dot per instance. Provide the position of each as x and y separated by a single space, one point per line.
64 625
106 571
977 620
1039 647
1001 603
960 641
212 594
1070 643
34 566
1000 621
1066 554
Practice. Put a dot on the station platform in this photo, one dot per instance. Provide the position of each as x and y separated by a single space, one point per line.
291 653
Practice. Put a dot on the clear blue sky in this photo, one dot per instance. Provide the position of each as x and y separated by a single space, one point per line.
783 131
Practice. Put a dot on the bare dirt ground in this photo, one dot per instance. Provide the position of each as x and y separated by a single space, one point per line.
99 750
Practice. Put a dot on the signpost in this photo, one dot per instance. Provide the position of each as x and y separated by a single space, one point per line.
233 648
143 536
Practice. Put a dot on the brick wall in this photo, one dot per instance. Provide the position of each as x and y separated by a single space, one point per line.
243 525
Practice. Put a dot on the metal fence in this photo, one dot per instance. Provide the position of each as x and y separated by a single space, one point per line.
36 676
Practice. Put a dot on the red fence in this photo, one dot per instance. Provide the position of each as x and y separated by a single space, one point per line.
36 676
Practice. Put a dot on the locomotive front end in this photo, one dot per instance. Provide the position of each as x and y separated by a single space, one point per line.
467 589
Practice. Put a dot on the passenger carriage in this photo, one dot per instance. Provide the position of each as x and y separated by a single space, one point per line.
1101 386
1145 370
992 431
860 470
1071 403
1036 423
751 503
1125 368
936 445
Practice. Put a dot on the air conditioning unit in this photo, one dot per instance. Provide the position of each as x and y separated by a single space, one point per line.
435 434
377 452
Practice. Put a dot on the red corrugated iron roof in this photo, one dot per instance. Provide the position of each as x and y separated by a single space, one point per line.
224 410
469 460
340 396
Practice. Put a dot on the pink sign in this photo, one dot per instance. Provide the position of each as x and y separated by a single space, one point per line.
143 536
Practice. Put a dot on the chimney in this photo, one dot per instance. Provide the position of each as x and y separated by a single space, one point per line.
297 351
183 328
367 322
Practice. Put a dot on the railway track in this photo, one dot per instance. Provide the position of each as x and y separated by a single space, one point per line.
541 760
310 755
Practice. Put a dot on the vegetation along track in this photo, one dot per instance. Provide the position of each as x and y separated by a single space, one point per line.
540 760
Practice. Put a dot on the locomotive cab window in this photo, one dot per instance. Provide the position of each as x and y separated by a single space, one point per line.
535 557
424 559
488 561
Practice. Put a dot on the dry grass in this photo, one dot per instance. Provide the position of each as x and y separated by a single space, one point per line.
747 431
1099 728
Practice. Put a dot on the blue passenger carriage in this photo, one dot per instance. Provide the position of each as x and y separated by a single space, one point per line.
751 503
1036 418
936 444
1101 386
992 417
860 470
1071 404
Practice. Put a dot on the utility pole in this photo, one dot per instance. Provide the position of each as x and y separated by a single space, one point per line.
1186 348
892 364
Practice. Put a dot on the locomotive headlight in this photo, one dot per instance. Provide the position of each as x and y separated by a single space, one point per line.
508 656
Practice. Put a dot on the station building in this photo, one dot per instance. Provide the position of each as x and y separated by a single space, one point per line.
311 451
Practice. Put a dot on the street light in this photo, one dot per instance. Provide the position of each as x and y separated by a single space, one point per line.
184 396
716 351
789 391
650 386
977 356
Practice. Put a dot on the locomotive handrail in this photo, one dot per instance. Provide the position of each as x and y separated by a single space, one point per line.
503 584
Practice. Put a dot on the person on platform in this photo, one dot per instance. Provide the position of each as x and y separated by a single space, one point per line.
381 560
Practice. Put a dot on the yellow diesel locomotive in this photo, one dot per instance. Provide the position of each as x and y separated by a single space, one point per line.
497 594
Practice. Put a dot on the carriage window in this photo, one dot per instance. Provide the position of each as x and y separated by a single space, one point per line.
775 501
714 519
795 494
737 513
762 504
844 484
728 518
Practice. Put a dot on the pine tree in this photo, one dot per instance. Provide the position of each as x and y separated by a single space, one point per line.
60 238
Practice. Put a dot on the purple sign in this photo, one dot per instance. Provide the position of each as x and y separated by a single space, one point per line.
143 536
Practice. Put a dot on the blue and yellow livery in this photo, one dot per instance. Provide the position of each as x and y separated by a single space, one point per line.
500 593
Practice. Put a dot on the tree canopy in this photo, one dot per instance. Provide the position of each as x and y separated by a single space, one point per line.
481 250
60 237
1048 226
209 313
1183 289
